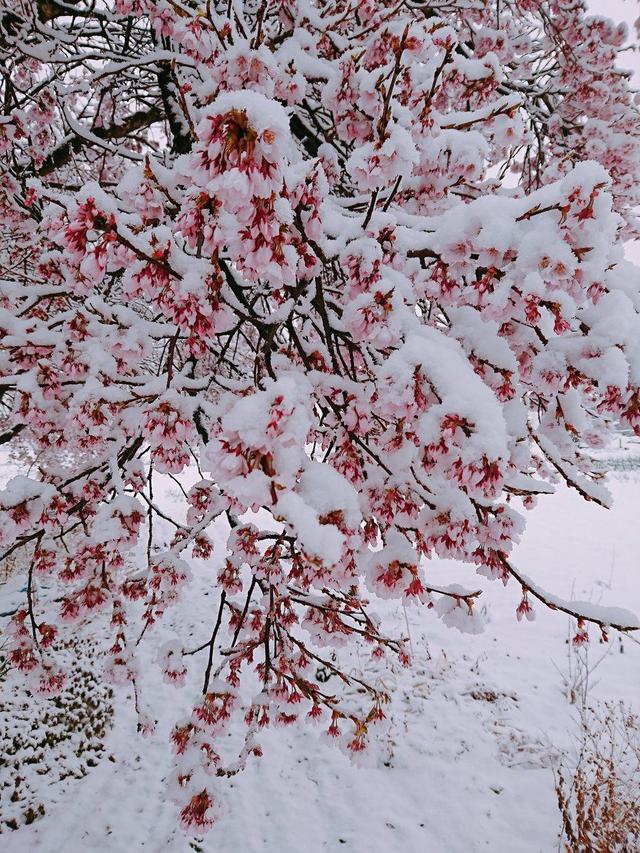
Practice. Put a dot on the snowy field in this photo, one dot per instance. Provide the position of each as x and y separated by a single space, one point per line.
465 764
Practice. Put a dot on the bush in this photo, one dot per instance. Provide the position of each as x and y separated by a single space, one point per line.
599 796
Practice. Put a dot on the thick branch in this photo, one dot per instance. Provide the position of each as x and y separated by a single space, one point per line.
63 153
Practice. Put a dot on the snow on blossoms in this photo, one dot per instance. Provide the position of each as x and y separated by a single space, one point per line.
350 277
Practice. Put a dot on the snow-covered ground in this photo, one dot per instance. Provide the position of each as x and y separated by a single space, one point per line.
475 726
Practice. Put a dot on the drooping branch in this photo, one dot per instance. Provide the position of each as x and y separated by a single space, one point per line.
605 617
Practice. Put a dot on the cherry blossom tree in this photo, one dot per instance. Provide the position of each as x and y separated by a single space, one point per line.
361 266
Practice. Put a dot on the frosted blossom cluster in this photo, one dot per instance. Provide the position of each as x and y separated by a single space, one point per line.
360 265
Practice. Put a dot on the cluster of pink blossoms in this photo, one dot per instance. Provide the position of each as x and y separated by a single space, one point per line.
347 275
